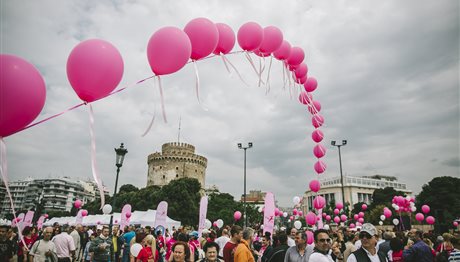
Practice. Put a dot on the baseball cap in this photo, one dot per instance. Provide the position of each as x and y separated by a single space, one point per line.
194 234
99 227
369 228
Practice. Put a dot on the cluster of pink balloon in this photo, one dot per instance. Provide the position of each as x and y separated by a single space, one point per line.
421 216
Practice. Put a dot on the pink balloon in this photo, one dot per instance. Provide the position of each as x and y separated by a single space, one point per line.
364 207
387 213
352 225
314 107
310 237
337 219
319 202
128 214
430 220
324 215
297 56
250 36
283 52
226 39
168 50
23 94
94 69
315 185
305 97
45 215
361 220
355 216
116 221
319 151
336 211
311 84
203 35
455 223
339 205
425 209
300 213
310 218
291 218
343 218
294 212
301 80
360 214
317 120
419 217
84 212
77 203
301 71
320 167
317 135
273 38
328 217
237 215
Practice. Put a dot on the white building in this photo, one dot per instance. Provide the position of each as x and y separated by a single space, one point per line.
356 189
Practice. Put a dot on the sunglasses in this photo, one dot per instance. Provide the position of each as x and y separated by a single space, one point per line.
365 235
323 240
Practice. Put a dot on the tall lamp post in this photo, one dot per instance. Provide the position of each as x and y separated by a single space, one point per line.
240 146
120 156
344 142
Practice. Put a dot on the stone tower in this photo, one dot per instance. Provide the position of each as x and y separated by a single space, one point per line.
176 160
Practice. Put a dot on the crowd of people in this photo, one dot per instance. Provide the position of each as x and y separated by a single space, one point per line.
228 244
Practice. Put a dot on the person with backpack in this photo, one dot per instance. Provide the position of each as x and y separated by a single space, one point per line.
43 249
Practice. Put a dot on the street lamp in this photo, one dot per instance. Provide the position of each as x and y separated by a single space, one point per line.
344 142
120 156
244 196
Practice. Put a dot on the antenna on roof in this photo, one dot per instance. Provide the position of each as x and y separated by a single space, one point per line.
178 135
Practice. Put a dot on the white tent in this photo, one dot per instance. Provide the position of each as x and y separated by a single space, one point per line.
143 218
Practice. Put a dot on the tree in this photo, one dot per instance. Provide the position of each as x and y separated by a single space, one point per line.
384 196
442 194
223 206
127 189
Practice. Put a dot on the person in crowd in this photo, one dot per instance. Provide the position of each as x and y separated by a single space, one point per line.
385 245
301 251
446 246
278 252
243 251
147 252
180 252
430 244
396 250
292 234
211 251
43 249
266 247
84 238
74 233
169 245
368 250
350 240
29 239
88 256
56 229
194 245
204 238
127 237
221 241
117 241
323 248
160 244
102 246
65 247
211 236
455 254
230 247
7 248
418 251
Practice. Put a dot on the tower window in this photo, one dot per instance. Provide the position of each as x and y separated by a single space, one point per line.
164 177
177 168
177 175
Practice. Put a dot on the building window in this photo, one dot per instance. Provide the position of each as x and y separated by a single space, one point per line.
177 175
177 168
164 176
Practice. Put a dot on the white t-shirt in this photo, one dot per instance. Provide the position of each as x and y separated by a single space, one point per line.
291 242
39 249
221 241
318 257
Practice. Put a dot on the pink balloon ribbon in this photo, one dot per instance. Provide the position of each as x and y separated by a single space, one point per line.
197 86
93 156
225 59
267 81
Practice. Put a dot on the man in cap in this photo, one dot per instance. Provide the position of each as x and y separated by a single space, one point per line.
368 250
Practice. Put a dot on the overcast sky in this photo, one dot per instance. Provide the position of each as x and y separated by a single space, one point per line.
388 74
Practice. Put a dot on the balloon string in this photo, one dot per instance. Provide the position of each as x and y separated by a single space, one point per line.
251 62
93 156
197 86
267 81
225 63
154 114
234 68
163 111
284 77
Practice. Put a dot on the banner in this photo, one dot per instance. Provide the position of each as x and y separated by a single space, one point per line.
320 218
40 222
79 217
203 211
269 213
28 218
125 218
161 214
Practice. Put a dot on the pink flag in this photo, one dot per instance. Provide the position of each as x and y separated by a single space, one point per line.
28 218
123 217
40 222
203 211
161 214
269 213
19 222
79 217
320 218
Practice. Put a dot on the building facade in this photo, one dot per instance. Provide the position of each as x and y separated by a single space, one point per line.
356 189
176 160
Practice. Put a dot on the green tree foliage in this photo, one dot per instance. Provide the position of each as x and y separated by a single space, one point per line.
127 188
223 206
442 194
384 197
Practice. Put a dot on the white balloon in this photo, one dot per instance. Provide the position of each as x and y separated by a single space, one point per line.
382 217
396 208
297 224
413 209
282 228
285 214
135 249
296 200
220 223
207 224
260 209
289 221
395 221
107 209
408 198
380 223
275 228
412 204
261 226
326 227
394 205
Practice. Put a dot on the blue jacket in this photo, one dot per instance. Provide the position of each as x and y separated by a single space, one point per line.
418 252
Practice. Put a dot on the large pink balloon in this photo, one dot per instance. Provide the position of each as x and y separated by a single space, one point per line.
355 216
305 97
273 38
283 52
317 120
94 69
77 203
339 205
300 80
315 185
336 211
168 50
430 220
317 135
310 85
320 167
301 70
237 215
337 219
343 218
319 202
387 213
425 209
314 107
226 39
203 35
328 217
419 217
361 214
250 36
22 94
310 218
310 237
319 151
455 224
297 56
84 212
128 214
363 207
361 220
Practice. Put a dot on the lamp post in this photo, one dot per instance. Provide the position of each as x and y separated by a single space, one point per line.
120 156
240 146
344 142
